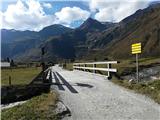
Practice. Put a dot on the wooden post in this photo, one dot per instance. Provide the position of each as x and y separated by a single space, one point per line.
94 66
9 80
79 66
108 70
109 74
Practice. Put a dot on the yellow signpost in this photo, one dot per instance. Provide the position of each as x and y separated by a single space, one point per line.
136 49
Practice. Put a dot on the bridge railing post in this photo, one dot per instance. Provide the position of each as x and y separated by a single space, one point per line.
94 66
84 67
108 74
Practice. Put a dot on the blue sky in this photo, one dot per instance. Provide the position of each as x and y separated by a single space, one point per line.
37 14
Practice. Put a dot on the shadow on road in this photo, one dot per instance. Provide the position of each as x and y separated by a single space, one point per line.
60 87
84 85
66 83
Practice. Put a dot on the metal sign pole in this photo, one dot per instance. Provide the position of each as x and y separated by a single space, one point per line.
137 67
136 49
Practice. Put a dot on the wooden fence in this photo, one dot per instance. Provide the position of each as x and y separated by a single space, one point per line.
108 69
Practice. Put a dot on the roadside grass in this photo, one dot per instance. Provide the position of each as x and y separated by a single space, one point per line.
69 66
150 89
38 108
19 76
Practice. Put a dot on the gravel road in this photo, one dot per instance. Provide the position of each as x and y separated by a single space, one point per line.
92 97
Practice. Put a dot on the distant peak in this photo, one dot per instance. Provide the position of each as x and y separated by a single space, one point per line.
94 25
91 20
90 23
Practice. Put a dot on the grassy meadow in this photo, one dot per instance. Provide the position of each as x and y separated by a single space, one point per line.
19 76
38 108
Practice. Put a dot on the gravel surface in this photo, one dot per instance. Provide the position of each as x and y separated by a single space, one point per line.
91 96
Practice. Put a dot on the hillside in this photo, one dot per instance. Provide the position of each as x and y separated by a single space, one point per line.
146 29
74 44
17 44
143 26
68 45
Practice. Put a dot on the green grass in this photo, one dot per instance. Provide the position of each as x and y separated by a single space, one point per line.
37 108
150 89
68 66
19 76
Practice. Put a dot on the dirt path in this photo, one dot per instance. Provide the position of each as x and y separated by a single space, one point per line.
93 97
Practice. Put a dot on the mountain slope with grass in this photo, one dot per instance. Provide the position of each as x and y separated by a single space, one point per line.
143 26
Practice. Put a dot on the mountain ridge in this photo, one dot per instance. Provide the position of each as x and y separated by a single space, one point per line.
94 39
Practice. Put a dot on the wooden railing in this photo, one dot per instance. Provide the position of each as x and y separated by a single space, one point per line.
108 69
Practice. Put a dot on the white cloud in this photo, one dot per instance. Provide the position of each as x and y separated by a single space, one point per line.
30 15
26 16
115 10
67 15
47 5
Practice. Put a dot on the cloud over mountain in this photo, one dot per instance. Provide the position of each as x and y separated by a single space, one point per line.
115 10
67 15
